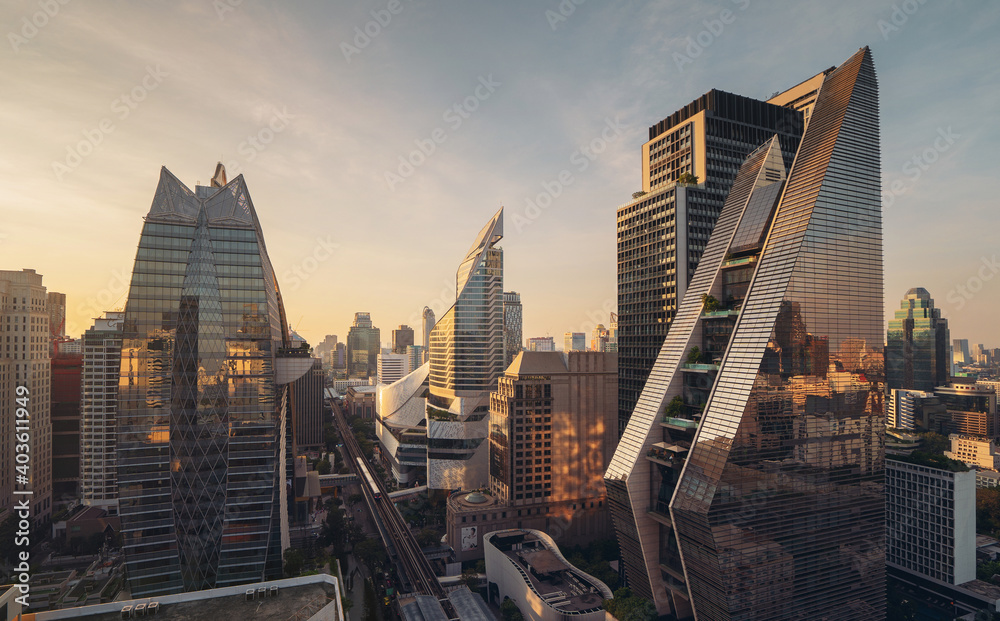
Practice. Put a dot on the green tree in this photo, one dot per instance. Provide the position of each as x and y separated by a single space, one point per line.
988 510
675 408
293 562
323 467
628 607
509 611
355 498
370 553
935 443
427 537
694 355
709 303
687 178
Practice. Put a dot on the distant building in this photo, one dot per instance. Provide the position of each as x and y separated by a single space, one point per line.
960 352
427 316
417 356
574 341
25 362
541 343
363 347
307 408
55 303
360 401
102 348
974 451
527 566
392 367
402 337
972 409
930 521
914 410
512 326
65 414
918 349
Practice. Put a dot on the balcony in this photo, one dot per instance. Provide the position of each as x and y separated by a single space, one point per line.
660 512
697 367
671 455
680 424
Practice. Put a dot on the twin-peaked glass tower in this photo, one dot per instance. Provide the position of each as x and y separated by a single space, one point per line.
201 413
748 483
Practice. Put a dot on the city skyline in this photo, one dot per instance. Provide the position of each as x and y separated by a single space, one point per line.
328 119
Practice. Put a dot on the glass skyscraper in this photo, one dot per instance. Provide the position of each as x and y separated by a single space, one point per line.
201 416
749 481
466 358
512 332
918 352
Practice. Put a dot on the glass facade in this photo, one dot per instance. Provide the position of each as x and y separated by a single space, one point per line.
363 347
749 481
466 358
512 335
200 416
918 353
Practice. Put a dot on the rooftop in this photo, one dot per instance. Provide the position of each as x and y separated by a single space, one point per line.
297 598
561 586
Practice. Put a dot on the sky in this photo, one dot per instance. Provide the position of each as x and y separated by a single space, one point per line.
377 137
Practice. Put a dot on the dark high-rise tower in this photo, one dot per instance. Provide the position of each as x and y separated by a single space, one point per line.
749 481
512 329
363 347
402 337
918 352
201 413
662 232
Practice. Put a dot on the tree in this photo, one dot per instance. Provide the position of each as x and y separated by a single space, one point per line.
333 532
687 179
694 356
628 607
509 610
293 562
427 537
988 510
675 408
355 498
370 553
935 443
709 303
346 603
323 467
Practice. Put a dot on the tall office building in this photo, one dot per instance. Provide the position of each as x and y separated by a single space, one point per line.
749 481
363 347
392 367
306 394
662 232
203 399
56 305
512 331
417 355
574 341
102 354
466 358
960 353
25 362
65 415
427 316
552 434
402 337
918 349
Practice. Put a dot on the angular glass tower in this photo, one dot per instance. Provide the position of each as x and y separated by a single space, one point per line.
466 358
918 348
201 416
749 481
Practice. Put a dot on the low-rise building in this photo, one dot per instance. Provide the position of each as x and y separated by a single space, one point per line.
360 401
931 519
974 451
527 567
